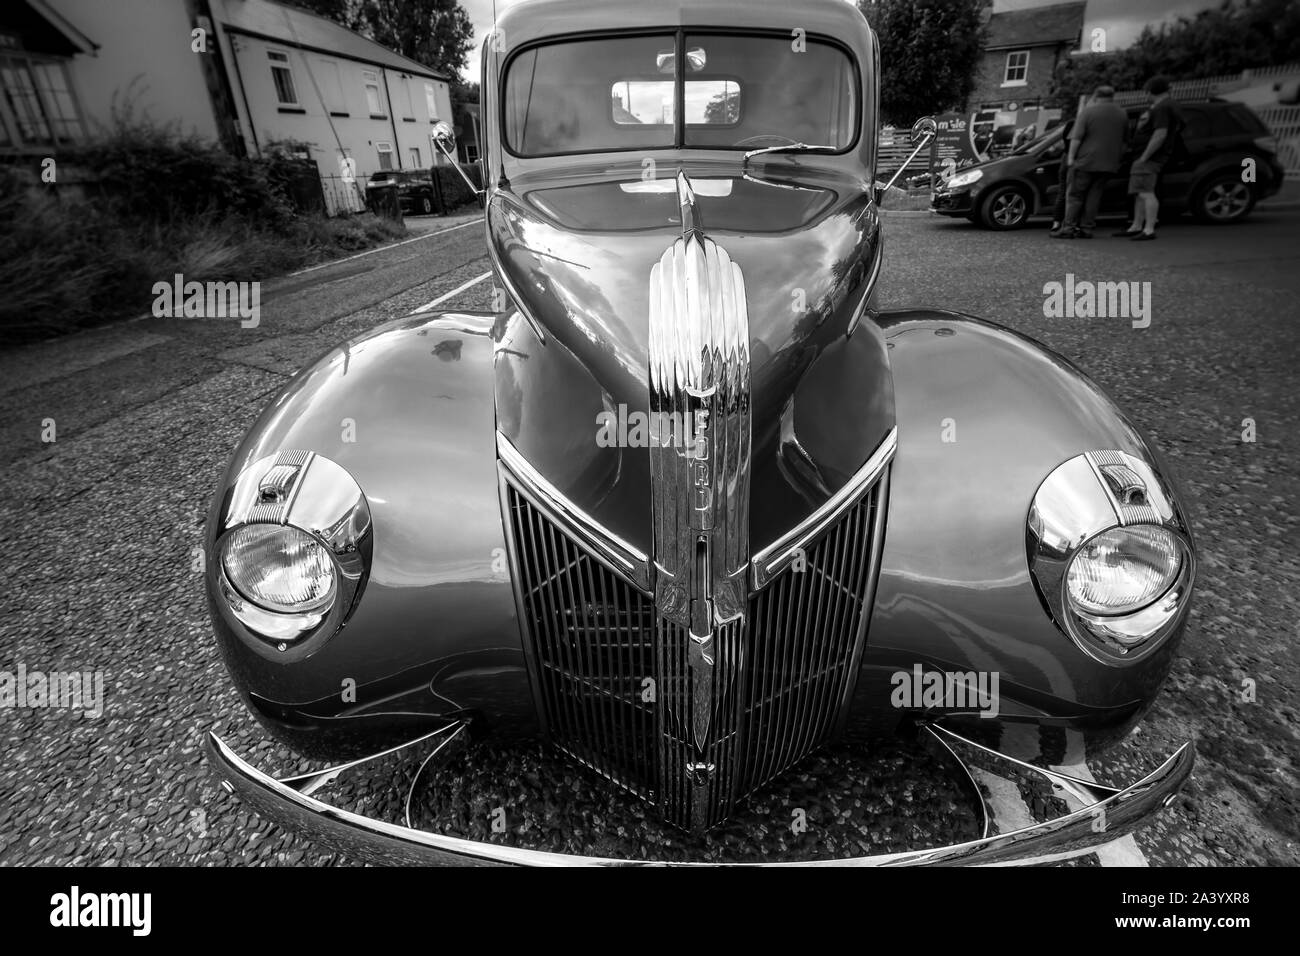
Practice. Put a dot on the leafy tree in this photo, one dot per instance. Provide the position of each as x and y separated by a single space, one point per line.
722 108
1238 35
928 53
436 33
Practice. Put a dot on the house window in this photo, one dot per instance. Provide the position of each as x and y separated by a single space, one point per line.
282 73
415 157
331 86
373 102
385 151
408 86
38 100
1017 70
431 102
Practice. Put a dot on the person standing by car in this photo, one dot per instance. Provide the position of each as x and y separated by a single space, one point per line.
1063 172
1161 127
1096 148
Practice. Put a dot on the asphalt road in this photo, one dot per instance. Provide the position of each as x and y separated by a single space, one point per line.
98 532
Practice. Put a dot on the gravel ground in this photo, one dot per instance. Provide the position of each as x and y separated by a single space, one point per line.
99 531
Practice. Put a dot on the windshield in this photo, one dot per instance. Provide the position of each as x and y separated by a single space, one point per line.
1033 144
735 92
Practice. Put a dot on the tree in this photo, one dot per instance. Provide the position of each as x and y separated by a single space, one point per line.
723 108
929 50
436 33
1232 38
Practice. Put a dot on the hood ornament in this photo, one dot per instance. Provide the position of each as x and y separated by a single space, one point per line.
700 464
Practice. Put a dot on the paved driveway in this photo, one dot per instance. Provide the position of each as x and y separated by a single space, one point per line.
98 530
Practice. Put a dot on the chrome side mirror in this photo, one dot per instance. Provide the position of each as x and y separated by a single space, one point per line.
923 131
443 138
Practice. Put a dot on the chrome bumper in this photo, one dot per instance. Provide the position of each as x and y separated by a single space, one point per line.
1102 814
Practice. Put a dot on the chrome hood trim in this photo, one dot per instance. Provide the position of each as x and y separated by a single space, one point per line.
620 557
773 559
699 467
1101 814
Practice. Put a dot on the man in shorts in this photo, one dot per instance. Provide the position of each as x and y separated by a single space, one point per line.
1096 148
1160 126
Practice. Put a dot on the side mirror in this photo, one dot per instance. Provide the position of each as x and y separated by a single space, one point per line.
924 127
444 137
444 141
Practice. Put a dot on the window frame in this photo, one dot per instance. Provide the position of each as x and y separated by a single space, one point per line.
1007 67
679 136
379 99
431 100
702 77
55 122
389 152
285 64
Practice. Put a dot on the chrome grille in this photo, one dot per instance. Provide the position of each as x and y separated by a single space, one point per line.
592 649
784 672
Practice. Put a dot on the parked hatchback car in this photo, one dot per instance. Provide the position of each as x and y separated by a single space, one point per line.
416 190
1205 180
651 513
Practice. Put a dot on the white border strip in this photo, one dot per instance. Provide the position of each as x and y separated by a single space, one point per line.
454 292
371 252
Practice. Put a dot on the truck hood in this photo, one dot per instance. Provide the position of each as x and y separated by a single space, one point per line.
575 249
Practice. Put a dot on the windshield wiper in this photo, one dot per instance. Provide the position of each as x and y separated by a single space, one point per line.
788 147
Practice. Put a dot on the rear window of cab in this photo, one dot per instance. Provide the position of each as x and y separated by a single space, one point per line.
734 91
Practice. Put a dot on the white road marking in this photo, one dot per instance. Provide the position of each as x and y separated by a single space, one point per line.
394 245
428 306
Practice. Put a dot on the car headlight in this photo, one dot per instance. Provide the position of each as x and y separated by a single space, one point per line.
1123 570
966 178
292 551
1110 555
279 568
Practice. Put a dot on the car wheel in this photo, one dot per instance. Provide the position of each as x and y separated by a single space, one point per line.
1005 207
426 205
1223 198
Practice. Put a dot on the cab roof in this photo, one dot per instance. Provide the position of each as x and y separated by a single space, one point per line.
548 19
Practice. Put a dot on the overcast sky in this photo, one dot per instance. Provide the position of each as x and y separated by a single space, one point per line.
1123 20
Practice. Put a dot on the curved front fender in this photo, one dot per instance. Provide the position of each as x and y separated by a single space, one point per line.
984 415
408 410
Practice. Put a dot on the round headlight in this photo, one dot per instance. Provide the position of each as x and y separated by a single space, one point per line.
1123 570
279 568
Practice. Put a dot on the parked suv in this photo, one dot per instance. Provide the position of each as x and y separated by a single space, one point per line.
1205 180
415 189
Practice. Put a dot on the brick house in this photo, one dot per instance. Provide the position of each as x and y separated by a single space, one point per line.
1021 51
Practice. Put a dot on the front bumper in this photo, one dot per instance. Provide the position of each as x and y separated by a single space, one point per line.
1101 814
959 203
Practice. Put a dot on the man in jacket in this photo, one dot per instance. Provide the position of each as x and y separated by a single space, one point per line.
1096 148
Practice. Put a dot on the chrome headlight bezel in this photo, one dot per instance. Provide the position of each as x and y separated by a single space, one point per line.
313 495
1083 498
